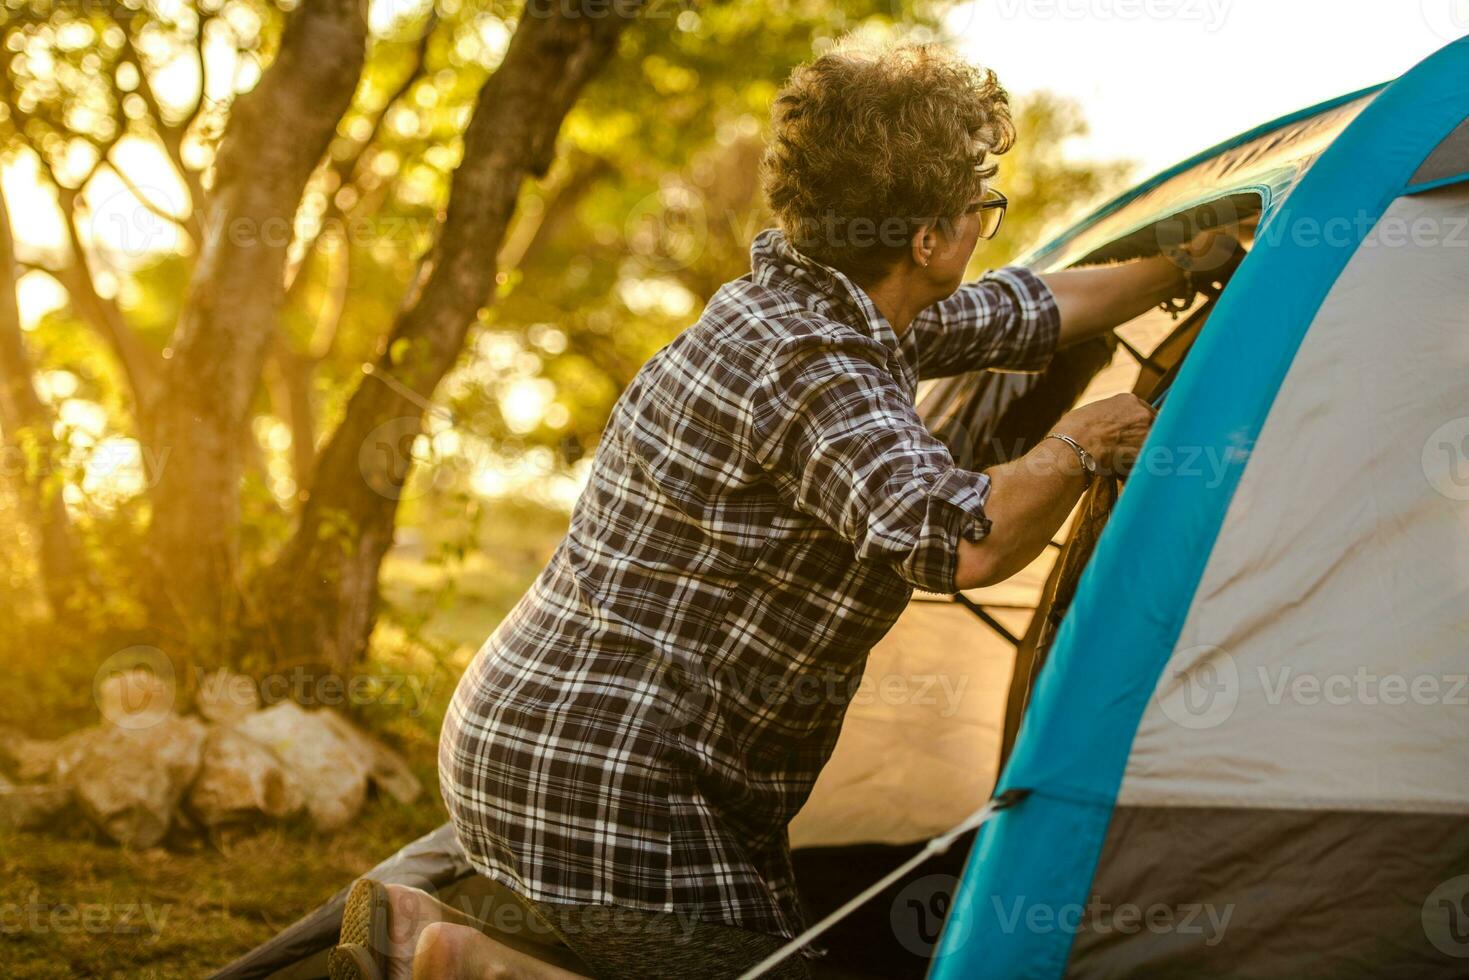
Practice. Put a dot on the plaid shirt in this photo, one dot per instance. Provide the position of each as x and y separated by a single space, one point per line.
646 721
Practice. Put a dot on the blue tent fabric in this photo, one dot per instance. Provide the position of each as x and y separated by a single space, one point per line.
1266 161
1019 902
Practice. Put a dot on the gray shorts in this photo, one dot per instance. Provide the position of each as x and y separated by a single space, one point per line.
616 943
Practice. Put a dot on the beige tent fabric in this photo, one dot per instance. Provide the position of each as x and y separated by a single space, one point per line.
1325 660
921 741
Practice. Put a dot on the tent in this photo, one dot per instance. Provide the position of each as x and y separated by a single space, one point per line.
1240 754
1301 511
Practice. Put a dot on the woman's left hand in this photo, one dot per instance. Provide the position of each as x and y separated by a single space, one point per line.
1212 255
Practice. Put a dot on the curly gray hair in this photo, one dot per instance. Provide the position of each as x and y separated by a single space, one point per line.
870 142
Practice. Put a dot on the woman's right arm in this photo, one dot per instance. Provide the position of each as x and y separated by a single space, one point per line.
1031 496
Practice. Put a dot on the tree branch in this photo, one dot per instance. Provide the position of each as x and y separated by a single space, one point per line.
182 224
523 246
172 137
205 19
322 591
345 169
291 380
28 439
291 395
139 365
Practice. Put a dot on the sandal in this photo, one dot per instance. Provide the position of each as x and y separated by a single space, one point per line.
362 950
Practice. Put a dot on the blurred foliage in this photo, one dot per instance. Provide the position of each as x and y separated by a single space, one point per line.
649 208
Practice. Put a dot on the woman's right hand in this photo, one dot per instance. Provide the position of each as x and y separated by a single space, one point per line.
1031 496
1112 430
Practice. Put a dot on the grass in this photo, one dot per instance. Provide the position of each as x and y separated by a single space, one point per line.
85 908
73 905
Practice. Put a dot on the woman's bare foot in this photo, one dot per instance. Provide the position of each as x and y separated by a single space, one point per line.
453 952
414 911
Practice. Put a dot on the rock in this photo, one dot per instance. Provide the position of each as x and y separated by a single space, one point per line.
135 698
31 807
128 781
330 773
240 782
387 770
30 758
225 697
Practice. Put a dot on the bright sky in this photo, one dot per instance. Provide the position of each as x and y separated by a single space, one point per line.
1158 80
1161 79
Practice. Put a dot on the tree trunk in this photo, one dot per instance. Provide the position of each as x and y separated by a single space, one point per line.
321 594
290 392
278 134
31 453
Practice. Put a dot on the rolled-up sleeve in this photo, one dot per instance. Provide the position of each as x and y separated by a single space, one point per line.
839 440
1007 320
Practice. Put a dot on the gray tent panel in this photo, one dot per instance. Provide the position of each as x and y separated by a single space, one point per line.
1448 160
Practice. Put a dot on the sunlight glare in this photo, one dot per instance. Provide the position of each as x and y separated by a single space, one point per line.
114 470
37 295
523 403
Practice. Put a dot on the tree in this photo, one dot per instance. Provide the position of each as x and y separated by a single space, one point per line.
321 594
193 398
277 136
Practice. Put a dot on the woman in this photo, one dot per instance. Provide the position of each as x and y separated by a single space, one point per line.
625 752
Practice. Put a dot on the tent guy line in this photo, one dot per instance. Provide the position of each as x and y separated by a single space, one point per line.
936 846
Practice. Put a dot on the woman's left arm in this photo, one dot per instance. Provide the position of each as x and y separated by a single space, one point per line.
1094 301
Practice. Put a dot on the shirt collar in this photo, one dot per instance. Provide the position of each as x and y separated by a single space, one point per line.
776 263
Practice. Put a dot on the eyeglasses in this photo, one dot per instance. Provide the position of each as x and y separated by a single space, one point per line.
991 210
